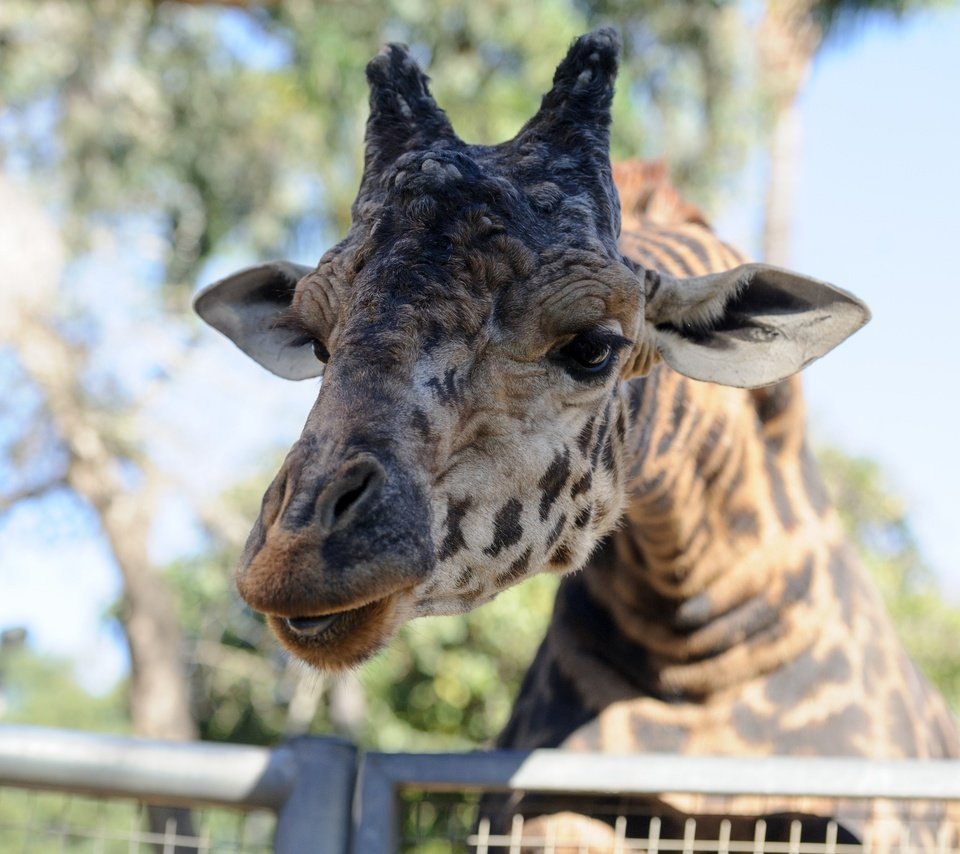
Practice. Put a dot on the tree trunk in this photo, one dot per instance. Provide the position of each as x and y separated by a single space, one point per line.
787 39
783 165
159 688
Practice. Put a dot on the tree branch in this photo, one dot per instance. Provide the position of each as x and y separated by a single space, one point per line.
11 499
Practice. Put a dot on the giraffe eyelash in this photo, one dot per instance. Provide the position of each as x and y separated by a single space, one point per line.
291 319
600 335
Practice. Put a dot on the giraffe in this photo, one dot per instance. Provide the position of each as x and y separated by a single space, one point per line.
787 652
510 386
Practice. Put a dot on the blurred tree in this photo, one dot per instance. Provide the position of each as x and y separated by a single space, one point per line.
237 129
68 442
41 690
790 34
449 683
83 448
682 91
879 526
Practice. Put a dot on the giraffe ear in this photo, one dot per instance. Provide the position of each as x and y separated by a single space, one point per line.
748 327
246 307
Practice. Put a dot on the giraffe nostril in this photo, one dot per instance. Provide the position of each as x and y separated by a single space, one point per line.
310 627
349 498
357 486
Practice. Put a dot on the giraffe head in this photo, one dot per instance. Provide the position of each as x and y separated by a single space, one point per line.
473 330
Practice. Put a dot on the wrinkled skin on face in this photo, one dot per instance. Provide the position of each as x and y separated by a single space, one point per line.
474 330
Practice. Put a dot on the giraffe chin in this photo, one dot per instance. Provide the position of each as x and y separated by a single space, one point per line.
341 640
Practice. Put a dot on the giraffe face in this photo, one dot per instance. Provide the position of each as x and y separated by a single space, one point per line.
472 330
466 434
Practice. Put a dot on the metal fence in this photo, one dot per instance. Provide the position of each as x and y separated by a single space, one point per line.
68 791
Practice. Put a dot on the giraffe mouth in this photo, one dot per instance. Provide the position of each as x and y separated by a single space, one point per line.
340 639
311 627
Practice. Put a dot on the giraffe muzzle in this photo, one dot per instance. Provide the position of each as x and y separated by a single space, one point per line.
342 542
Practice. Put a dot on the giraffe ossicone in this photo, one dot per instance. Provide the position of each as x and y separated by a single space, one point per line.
483 338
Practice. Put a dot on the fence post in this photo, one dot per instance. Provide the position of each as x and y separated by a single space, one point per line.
316 817
375 815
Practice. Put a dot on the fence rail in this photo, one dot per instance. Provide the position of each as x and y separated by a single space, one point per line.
328 797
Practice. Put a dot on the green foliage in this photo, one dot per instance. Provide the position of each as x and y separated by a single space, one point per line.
68 823
443 683
837 17
178 100
449 682
41 690
879 526
230 131
241 682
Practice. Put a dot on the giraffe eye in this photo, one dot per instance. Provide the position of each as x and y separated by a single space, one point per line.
320 351
590 354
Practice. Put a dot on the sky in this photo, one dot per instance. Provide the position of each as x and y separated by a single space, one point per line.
876 215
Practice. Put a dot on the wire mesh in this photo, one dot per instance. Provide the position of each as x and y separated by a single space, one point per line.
437 823
36 822
443 823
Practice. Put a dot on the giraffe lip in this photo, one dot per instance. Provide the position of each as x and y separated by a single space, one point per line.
331 627
314 626
311 627
337 640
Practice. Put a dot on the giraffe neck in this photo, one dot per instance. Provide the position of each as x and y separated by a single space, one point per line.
722 565
726 614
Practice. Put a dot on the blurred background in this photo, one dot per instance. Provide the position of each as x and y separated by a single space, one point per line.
147 148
